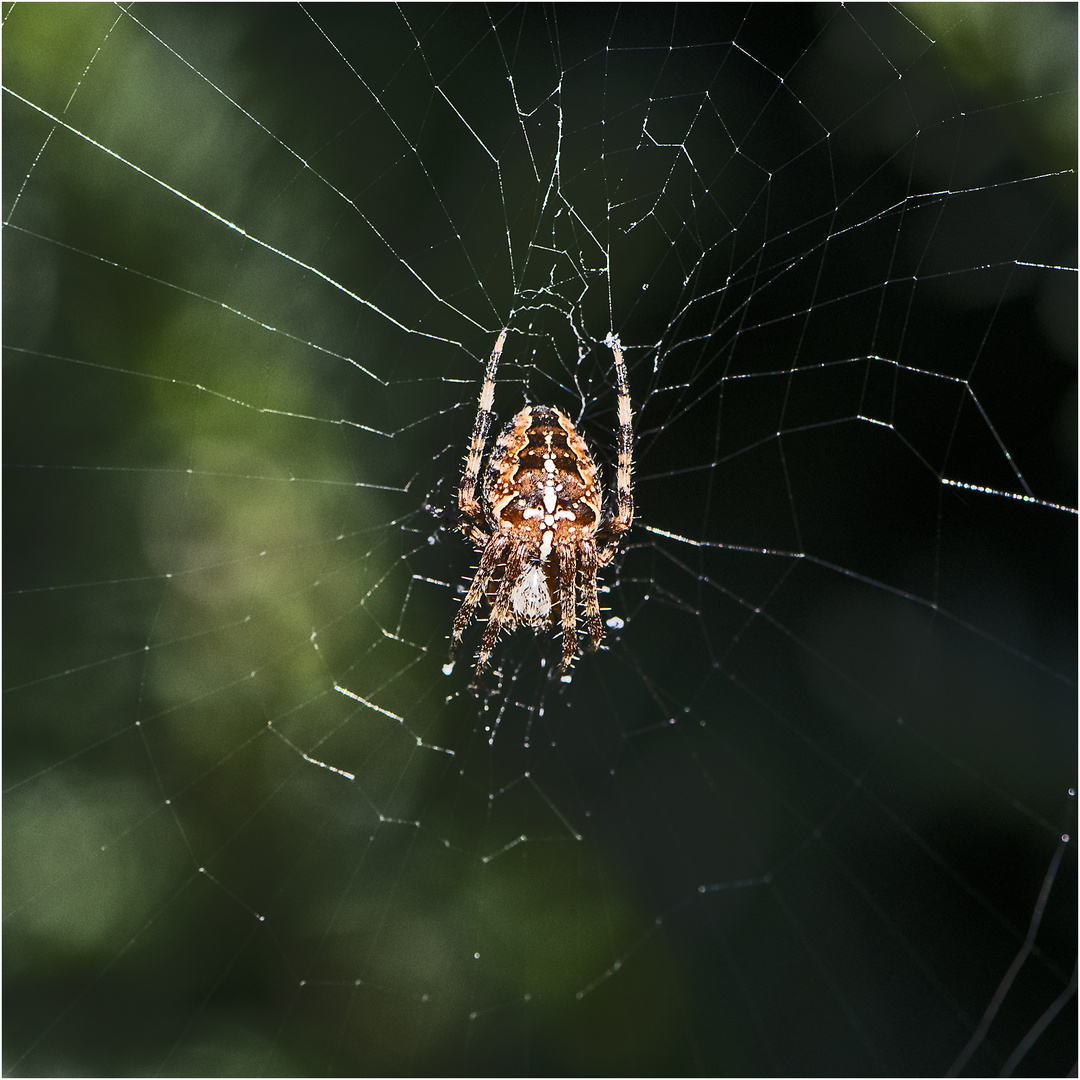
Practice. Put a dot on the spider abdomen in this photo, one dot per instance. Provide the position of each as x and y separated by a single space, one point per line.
542 482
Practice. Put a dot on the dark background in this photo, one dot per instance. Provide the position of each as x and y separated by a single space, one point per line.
797 818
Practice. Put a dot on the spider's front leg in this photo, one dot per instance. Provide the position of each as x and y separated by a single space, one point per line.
467 503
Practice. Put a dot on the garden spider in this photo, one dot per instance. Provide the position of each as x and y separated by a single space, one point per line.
540 518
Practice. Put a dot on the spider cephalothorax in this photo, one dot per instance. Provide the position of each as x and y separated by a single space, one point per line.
539 525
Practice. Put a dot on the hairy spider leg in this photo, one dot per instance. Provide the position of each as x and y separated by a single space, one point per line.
568 569
488 562
467 502
501 608
589 562
612 528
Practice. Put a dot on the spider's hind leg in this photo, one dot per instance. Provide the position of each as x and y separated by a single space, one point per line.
488 562
568 568
590 598
500 609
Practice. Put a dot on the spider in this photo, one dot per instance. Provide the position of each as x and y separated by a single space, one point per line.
540 520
